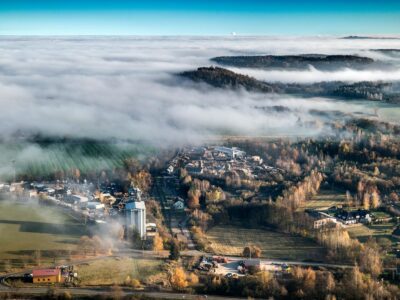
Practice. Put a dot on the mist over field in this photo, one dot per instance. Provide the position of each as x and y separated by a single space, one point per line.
126 89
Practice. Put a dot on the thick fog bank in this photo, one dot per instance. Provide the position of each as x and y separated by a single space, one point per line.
126 88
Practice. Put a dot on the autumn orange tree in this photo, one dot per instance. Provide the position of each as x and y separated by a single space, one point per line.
141 179
178 278
194 197
370 258
158 244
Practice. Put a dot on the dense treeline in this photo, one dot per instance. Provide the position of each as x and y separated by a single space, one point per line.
319 61
302 284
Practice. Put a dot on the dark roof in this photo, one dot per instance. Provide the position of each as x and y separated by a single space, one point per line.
194 169
315 214
351 215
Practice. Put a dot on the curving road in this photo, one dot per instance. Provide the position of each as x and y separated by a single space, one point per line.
102 291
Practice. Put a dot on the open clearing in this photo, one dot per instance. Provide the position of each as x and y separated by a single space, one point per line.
363 232
230 240
326 198
110 271
26 227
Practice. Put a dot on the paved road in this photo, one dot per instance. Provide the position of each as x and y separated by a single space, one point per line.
185 231
101 291
178 226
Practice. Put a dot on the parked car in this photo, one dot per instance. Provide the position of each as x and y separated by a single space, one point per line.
220 259
228 275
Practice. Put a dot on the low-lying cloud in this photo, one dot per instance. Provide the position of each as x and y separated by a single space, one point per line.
312 75
126 88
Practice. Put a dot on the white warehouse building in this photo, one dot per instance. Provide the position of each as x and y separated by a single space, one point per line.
135 214
233 152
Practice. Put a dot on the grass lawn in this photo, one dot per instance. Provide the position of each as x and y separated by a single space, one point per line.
112 270
380 214
325 199
363 232
27 227
230 240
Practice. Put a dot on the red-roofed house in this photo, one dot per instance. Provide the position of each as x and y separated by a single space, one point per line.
47 276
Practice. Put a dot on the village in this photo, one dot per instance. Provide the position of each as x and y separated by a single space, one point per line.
165 224
217 161
97 204
106 204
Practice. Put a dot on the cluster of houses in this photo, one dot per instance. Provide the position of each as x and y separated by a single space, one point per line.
354 216
339 216
14 187
217 161
171 191
93 204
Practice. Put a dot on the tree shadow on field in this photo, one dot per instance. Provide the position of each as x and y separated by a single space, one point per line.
68 242
47 228
43 253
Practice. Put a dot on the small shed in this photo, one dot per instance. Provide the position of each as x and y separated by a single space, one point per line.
179 205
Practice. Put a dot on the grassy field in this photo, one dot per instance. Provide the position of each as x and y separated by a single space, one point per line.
112 271
230 240
48 156
363 232
26 228
325 199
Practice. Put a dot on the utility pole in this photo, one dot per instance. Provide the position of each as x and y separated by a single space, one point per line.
14 170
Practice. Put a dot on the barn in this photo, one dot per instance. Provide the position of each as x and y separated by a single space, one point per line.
46 276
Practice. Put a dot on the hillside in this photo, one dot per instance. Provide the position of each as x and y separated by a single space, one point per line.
223 78
369 90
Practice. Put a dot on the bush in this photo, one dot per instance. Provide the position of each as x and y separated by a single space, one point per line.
136 284
252 251
253 269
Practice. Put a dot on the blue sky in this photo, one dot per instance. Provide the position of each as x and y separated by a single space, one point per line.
176 17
